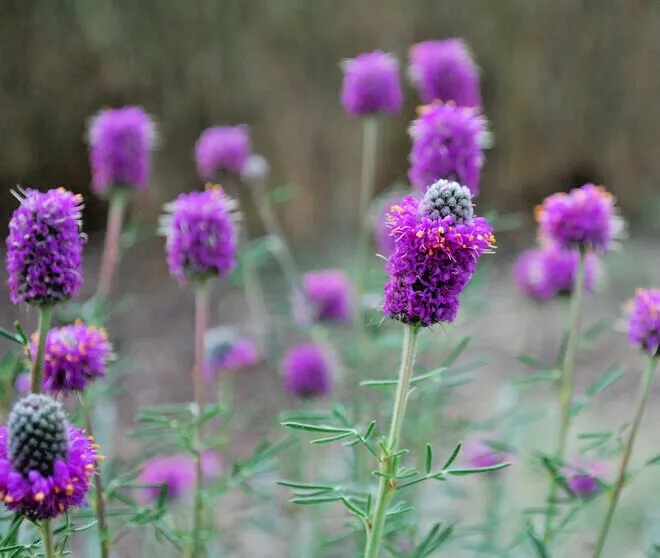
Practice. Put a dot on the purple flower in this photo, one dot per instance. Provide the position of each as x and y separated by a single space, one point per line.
445 71
447 143
120 144
644 320
176 473
584 477
222 148
23 383
45 247
227 352
382 233
481 453
201 235
371 84
75 356
46 464
585 219
256 169
434 256
306 370
330 293
544 273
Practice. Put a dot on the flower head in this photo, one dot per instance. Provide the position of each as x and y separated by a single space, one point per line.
201 235
121 141
330 293
481 453
445 71
46 464
256 169
23 383
433 259
306 370
447 143
583 477
381 230
546 272
585 218
371 84
228 352
644 320
45 247
222 148
75 356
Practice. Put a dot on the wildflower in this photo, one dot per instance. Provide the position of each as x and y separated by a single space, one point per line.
256 169
445 71
306 371
481 453
447 143
330 294
434 257
44 247
546 272
46 464
120 144
584 477
222 148
23 383
371 85
75 356
644 320
228 352
201 235
584 219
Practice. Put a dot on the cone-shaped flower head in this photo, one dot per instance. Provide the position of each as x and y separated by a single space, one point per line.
306 370
584 477
480 453
546 272
45 247
222 149
447 144
121 141
76 355
644 320
200 228
228 352
46 464
330 293
434 257
585 218
371 85
445 71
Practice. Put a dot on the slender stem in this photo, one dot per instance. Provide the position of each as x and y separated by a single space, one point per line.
46 529
111 247
644 390
201 321
386 483
45 315
565 395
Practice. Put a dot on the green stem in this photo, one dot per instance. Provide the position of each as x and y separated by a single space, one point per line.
201 320
386 483
45 315
110 256
46 529
565 395
644 390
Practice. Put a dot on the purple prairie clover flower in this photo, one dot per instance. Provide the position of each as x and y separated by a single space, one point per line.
46 465
45 247
121 141
583 477
306 370
585 219
222 149
381 230
447 142
643 313
371 85
481 453
434 256
75 356
228 352
445 71
546 272
330 294
23 383
200 229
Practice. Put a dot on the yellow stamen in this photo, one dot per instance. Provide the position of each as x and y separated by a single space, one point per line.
39 497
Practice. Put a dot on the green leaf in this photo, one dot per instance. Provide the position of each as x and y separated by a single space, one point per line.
652 461
379 383
429 458
601 326
11 336
427 376
434 539
313 501
317 428
533 362
537 544
456 352
611 376
305 486
21 332
477 470
282 194
320 441
452 457
353 508
546 376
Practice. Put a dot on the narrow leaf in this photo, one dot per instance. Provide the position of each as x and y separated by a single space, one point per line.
429 458
317 428
453 456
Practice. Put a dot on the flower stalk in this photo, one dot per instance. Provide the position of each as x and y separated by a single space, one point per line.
46 529
644 390
386 483
45 315
110 257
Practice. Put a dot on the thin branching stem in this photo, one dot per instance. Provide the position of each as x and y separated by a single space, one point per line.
110 256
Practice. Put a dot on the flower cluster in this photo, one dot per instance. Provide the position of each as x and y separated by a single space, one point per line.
447 142
75 355
433 258
481 453
44 247
306 370
120 144
583 477
644 320
228 352
445 71
330 293
371 85
201 235
222 148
